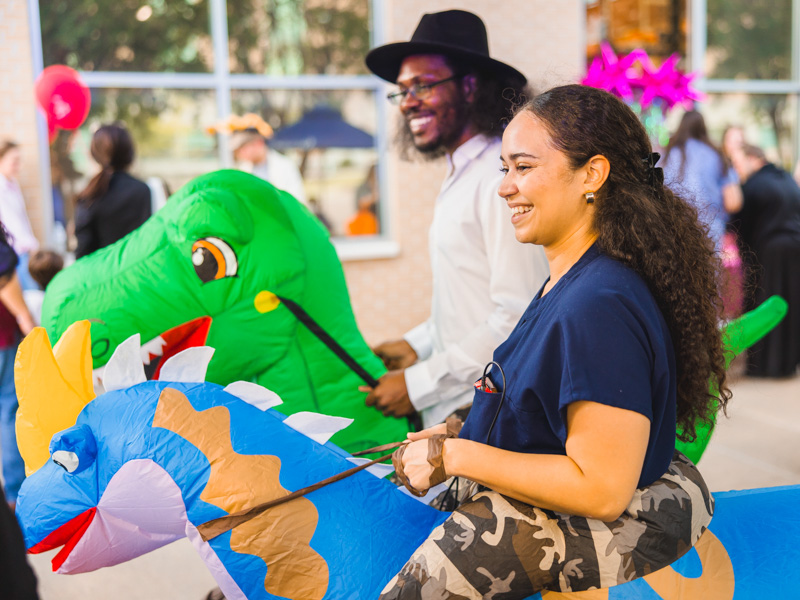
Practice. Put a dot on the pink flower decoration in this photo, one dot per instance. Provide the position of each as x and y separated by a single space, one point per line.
688 94
611 73
659 82
647 83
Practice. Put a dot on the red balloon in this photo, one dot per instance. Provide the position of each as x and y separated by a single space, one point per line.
63 97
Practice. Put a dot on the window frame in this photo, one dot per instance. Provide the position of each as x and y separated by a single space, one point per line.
698 43
223 84
697 14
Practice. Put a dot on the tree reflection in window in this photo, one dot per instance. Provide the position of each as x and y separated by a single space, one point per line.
749 39
297 37
127 35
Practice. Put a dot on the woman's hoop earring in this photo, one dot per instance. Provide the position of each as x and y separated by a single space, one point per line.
589 197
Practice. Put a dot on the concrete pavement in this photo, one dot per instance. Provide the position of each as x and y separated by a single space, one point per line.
757 446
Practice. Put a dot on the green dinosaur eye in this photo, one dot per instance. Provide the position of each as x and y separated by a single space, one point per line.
213 259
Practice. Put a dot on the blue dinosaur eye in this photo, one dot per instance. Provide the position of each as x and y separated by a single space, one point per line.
68 461
74 449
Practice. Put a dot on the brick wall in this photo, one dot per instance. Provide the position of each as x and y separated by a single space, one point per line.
17 104
541 38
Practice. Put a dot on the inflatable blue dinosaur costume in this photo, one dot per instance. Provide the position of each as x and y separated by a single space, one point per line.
149 462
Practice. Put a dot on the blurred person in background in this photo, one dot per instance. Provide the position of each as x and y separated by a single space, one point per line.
732 275
696 170
250 146
13 213
17 580
768 227
365 219
15 321
114 203
732 142
16 575
43 265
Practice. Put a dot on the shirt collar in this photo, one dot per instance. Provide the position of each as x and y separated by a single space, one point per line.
467 152
586 258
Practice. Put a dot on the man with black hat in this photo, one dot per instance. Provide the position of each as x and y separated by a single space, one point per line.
454 100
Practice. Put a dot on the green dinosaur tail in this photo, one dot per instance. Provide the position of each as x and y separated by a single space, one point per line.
738 335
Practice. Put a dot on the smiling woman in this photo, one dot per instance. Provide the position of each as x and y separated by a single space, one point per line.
546 195
572 430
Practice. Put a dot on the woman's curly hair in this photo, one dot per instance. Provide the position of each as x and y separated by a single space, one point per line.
644 225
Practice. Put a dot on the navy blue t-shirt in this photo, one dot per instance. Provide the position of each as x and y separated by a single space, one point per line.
598 335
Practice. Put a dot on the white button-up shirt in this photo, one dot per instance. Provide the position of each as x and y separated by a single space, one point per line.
281 172
15 218
483 279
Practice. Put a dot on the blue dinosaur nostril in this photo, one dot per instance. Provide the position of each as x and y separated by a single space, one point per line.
74 449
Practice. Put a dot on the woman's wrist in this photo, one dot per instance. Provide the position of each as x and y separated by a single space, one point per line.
450 450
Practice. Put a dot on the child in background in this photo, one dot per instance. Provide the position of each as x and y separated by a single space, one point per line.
43 266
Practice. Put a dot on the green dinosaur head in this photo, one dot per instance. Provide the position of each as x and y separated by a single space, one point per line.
228 245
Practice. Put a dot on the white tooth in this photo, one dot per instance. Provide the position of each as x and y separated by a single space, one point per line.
125 368
154 347
187 366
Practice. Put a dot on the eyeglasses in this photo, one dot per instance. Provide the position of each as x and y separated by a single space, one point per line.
420 91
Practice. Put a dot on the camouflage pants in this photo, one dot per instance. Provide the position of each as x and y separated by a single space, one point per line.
494 547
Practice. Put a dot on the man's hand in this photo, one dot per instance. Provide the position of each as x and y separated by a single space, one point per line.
390 396
397 354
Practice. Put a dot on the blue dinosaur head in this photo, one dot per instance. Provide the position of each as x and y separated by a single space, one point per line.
85 492
148 463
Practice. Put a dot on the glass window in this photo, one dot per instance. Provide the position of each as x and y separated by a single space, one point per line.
109 35
749 39
298 37
768 120
656 26
168 131
330 136
324 40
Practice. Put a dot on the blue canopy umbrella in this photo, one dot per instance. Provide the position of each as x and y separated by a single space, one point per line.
321 127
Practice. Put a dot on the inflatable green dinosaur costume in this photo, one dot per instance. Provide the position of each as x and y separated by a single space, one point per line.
231 247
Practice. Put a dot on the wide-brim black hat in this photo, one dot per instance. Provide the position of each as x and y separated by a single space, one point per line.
454 33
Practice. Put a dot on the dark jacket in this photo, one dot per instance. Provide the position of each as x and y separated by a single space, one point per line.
771 208
112 216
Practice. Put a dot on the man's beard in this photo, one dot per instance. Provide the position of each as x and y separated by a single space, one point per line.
404 139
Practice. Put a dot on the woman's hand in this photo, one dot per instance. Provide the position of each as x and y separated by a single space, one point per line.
440 429
416 467
420 465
